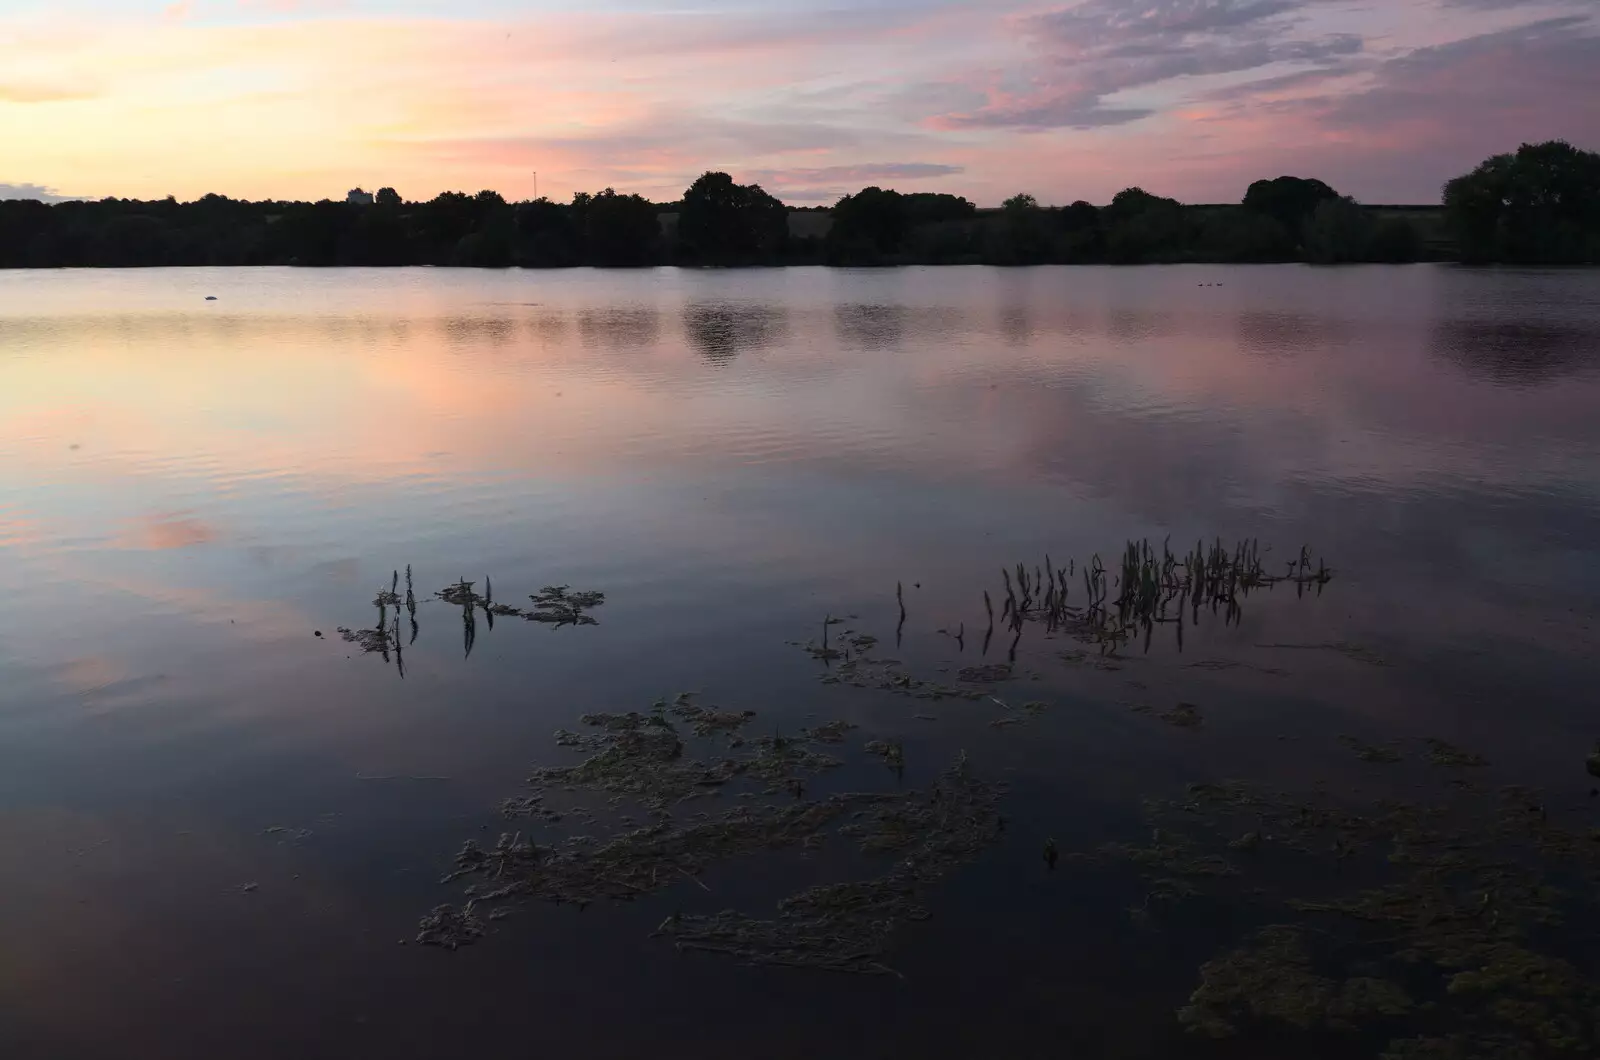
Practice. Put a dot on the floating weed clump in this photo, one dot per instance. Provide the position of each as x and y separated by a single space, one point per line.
891 675
708 721
637 755
368 640
558 606
389 597
642 758
849 659
828 732
892 752
1460 927
1183 716
1441 753
461 595
384 636
450 928
847 927
1271 979
555 606
1367 752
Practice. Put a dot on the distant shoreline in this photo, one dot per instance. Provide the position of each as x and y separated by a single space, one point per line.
1539 206
781 266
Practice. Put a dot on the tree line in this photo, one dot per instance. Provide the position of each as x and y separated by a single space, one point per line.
1539 205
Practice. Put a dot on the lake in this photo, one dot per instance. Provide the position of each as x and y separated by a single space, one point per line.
222 821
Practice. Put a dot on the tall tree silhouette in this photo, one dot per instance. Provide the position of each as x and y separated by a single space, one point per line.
1541 204
723 223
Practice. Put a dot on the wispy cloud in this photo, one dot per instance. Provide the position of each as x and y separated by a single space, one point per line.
869 172
47 91
1091 52
827 184
32 191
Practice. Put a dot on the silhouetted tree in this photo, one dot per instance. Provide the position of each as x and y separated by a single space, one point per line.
1541 204
925 207
1131 202
311 233
378 237
131 239
1145 227
489 244
1394 240
547 236
1339 231
1021 238
1289 200
1081 238
616 229
442 223
868 227
1237 235
28 230
724 223
1079 217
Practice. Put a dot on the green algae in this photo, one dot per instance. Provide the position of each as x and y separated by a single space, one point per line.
1441 753
847 927
1446 936
1183 716
1386 754
643 759
985 674
1272 980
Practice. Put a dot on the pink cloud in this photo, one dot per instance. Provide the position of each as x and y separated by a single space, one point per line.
1191 98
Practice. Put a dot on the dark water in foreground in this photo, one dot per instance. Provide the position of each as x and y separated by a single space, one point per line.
196 857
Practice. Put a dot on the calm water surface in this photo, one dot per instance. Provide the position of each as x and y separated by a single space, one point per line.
189 489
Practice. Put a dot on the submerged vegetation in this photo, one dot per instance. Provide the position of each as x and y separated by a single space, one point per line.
640 761
847 927
1460 927
1454 923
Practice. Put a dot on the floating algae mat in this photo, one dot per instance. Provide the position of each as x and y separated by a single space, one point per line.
1461 927
847 927
640 761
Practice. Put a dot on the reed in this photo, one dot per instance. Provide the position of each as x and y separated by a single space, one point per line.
1149 587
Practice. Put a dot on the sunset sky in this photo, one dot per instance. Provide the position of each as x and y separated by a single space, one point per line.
1384 99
